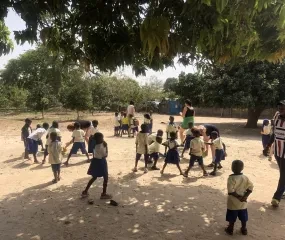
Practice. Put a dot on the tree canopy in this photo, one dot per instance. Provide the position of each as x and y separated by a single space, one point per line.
150 33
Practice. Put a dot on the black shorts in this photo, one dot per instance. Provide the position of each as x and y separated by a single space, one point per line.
55 167
194 158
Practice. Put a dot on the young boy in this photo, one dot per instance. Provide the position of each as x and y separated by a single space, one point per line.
117 124
141 148
33 139
78 141
55 155
189 137
154 152
197 148
239 188
25 132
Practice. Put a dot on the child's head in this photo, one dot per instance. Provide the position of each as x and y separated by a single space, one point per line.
237 166
70 127
125 115
39 126
265 122
171 119
131 115
172 135
188 103
95 123
28 121
214 135
116 114
53 136
159 133
195 132
190 125
54 124
45 126
132 103
143 128
76 125
158 139
99 138
147 116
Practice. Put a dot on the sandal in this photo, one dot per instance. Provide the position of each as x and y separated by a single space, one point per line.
106 196
205 174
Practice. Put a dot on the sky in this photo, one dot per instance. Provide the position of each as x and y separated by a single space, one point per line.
14 23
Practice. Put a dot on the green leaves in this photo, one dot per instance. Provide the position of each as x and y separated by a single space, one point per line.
221 4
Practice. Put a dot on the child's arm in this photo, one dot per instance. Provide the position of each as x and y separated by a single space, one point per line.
146 149
248 191
106 146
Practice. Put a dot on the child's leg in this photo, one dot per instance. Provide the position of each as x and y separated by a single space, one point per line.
191 164
54 176
165 150
58 172
67 160
146 158
138 156
230 229
179 168
104 194
162 170
35 158
214 170
45 154
182 154
91 181
204 170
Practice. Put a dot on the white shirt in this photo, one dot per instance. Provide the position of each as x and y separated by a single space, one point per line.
239 184
217 143
188 132
171 127
37 134
131 110
146 121
151 138
154 148
100 151
266 130
49 131
141 141
54 150
117 122
78 135
196 146
171 144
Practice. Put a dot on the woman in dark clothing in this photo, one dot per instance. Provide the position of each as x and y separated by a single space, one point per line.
188 116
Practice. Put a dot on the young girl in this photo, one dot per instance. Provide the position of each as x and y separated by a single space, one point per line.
125 124
147 121
197 148
98 166
154 152
172 155
265 135
55 155
117 124
141 148
78 142
91 140
171 127
25 132
220 150
189 137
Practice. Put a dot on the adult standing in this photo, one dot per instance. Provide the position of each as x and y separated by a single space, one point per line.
130 114
188 114
205 131
278 138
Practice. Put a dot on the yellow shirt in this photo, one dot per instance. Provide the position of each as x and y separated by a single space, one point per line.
196 146
125 121
141 141
239 184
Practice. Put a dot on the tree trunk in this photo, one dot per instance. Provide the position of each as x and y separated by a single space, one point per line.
77 115
252 117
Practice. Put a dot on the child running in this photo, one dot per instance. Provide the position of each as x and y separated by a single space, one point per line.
25 132
189 137
154 152
265 135
141 148
33 139
172 155
53 128
197 148
220 151
91 141
78 142
117 124
98 166
239 188
55 155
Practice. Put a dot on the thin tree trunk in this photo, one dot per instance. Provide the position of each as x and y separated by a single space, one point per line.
252 117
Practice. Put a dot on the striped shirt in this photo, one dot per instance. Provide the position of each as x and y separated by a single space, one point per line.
279 133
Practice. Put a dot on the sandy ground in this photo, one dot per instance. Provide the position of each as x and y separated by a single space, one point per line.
151 206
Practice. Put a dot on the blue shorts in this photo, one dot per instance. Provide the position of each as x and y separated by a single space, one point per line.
138 156
55 167
154 156
194 158
125 127
32 146
219 155
117 128
78 145
232 215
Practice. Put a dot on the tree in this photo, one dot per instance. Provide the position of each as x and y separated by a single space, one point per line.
169 83
150 33
6 44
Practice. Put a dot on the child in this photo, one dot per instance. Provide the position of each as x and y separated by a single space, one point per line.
124 124
154 152
91 140
147 121
25 132
55 156
78 142
171 127
98 166
189 137
265 135
172 155
53 128
272 146
239 188
197 148
220 150
141 148
40 142
152 137
33 139
151 122
117 124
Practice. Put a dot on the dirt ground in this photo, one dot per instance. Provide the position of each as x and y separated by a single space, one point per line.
151 206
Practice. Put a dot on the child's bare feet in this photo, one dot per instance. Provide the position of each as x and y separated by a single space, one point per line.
229 231
154 168
185 174
84 194
211 165
54 181
205 174
65 163
106 196
36 161
43 162
212 173
243 231
161 172
145 170
135 170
